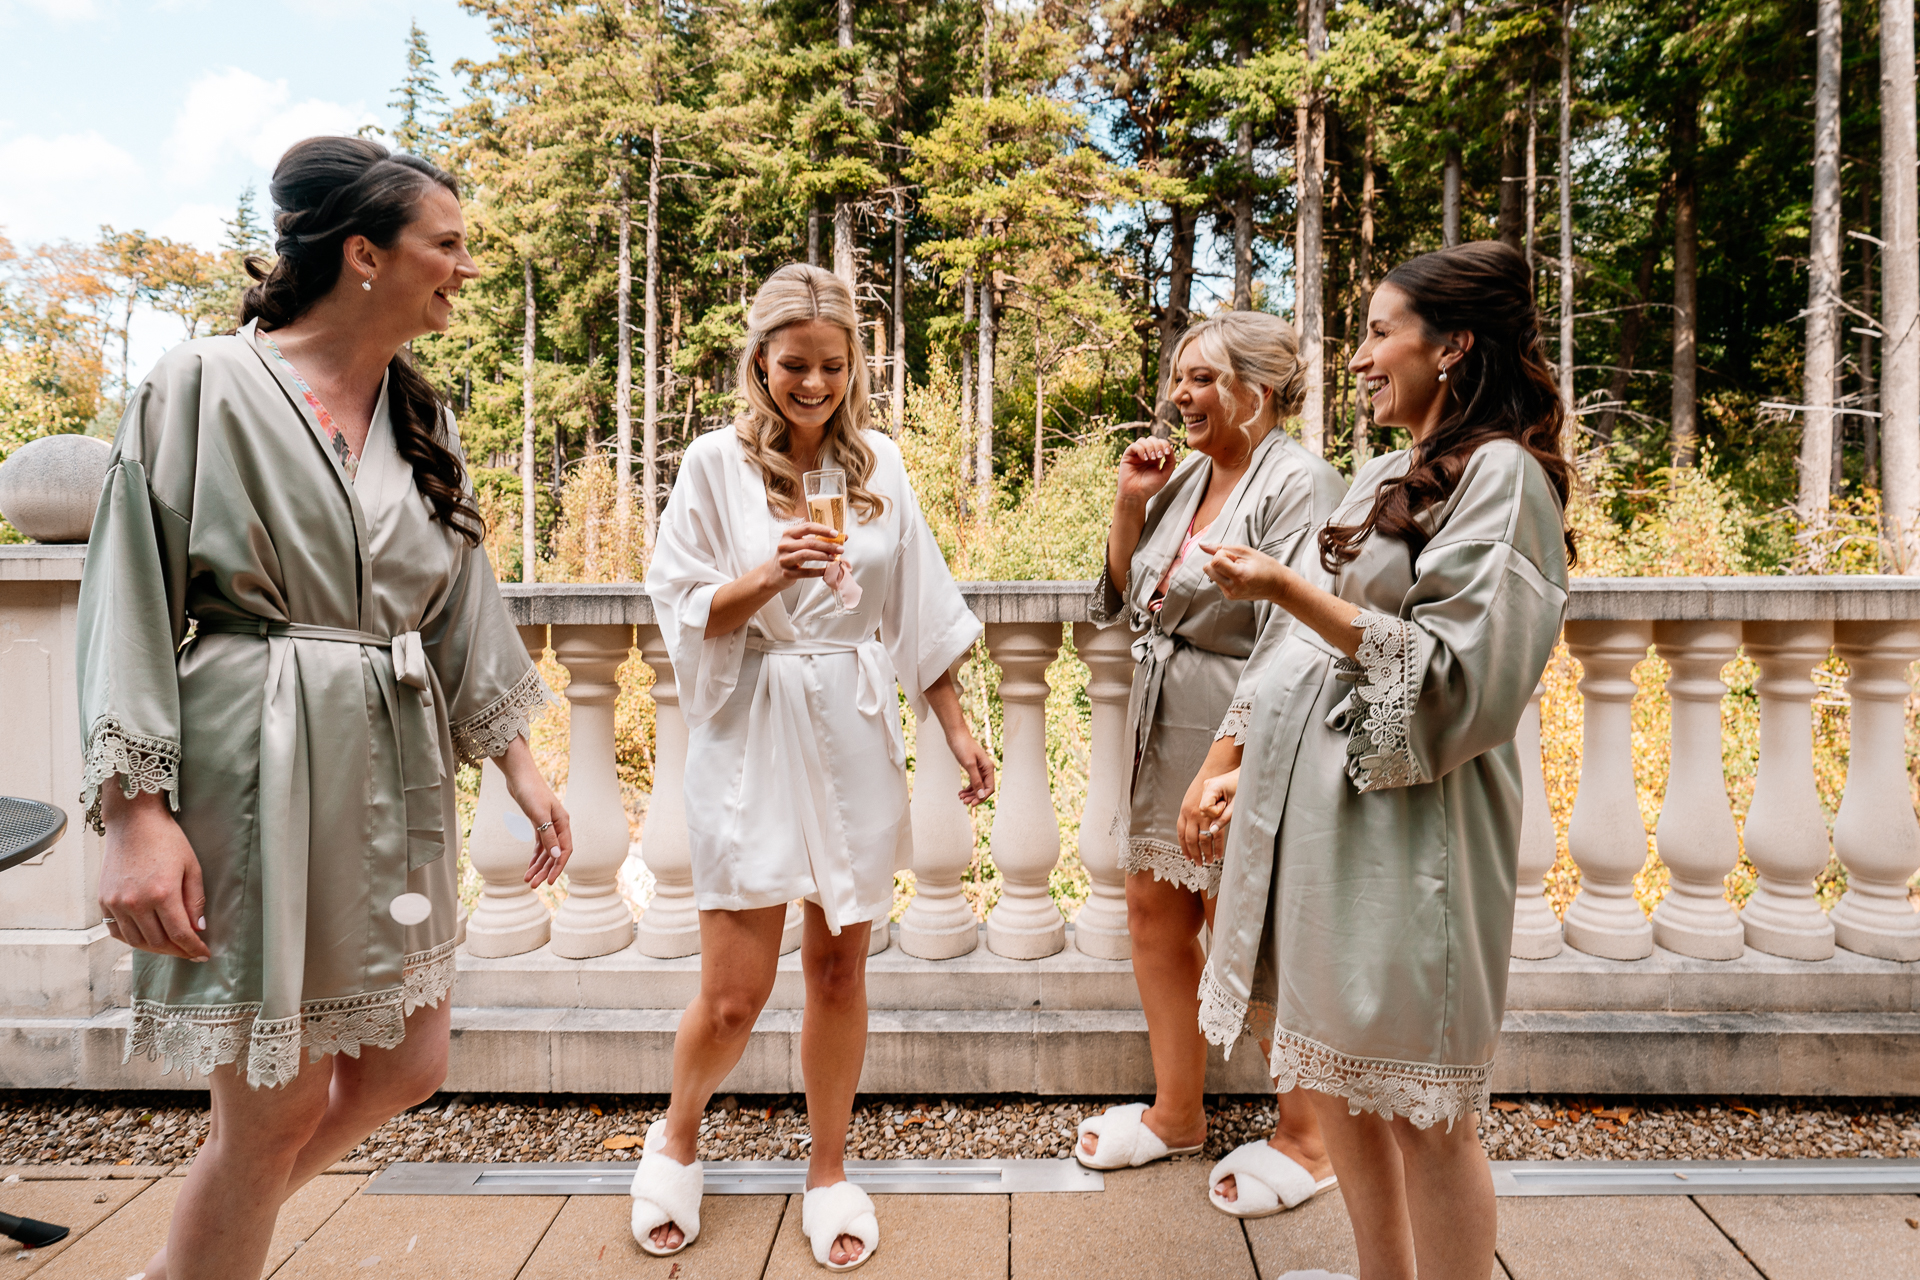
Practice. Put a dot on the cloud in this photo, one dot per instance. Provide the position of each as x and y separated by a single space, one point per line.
52 183
200 225
236 113
58 10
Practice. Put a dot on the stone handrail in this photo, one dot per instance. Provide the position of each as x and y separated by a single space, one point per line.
1698 625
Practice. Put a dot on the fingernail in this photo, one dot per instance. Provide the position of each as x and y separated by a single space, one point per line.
201 923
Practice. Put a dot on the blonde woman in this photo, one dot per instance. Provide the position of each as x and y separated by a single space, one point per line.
796 778
1237 378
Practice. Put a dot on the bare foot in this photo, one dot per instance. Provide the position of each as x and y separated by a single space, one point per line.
1315 1163
1193 1136
845 1249
668 1235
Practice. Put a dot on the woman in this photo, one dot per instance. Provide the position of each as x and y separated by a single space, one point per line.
796 779
1369 881
1237 378
288 637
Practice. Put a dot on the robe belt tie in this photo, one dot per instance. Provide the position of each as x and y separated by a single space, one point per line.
875 681
416 735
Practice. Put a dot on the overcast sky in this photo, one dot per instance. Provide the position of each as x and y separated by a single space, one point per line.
154 114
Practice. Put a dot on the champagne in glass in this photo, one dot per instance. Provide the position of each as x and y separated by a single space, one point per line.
827 499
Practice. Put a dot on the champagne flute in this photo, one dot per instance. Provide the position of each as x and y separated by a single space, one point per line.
826 495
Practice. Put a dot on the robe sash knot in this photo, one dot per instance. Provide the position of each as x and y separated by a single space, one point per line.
416 736
794 736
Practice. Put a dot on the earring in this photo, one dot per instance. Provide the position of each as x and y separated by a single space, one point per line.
1443 373
368 286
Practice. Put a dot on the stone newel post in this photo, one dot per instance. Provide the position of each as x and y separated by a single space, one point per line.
594 920
1607 839
1786 830
1025 924
509 919
1101 927
1695 837
670 926
1875 833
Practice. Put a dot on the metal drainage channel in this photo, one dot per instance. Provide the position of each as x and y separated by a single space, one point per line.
738 1178
1706 1177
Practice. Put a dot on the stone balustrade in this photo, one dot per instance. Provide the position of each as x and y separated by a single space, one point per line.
1777 996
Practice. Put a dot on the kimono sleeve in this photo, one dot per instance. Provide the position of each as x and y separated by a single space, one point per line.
490 684
132 607
685 572
925 623
1448 680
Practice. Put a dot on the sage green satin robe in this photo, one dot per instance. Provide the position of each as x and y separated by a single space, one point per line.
1366 907
312 773
1196 661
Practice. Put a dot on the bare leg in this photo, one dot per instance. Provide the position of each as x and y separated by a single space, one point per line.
739 951
1373 1183
1449 1197
265 1144
833 1045
1164 922
1296 1135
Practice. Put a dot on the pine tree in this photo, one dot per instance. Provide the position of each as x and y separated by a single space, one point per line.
421 104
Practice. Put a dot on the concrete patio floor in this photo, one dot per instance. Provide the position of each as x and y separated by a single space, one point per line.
1148 1223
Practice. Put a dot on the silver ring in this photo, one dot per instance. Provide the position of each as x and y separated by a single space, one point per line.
543 826
108 920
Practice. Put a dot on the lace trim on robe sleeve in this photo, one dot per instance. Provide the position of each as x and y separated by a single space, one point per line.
1386 666
487 733
1236 723
144 764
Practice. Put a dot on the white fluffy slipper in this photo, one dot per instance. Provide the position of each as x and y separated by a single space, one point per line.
1316 1274
665 1191
827 1213
1125 1140
1264 1182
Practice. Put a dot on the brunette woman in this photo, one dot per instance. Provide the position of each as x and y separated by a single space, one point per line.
1369 883
289 637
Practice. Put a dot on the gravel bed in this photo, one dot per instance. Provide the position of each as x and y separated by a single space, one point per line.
44 1127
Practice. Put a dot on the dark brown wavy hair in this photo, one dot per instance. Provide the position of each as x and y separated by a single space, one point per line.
1501 389
325 190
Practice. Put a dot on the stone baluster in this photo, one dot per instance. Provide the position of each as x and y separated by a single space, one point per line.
1536 930
793 929
670 926
1696 836
1025 924
1875 833
1101 927
594 919
509 919
1786 832
939 923
1607 839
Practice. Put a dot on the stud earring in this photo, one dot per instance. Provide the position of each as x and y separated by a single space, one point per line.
368 286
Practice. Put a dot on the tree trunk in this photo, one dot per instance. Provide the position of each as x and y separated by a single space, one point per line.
1633 326
1823 275
1243 198
1533 173
1511 227
650 402
1311 149
1039 411
1869 381
1685 429
1183 227
899 309
1899 294
813 234
966 365
843 254
623 381
1570 439
983 401
1362 442
1450 175
526 433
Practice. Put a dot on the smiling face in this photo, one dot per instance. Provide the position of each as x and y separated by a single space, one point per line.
415 278
1400 366
1216 425
807 369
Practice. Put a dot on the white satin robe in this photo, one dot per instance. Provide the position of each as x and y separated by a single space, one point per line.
796 780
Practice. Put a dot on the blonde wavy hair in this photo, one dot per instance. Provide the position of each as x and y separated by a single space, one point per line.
1248 350
795 294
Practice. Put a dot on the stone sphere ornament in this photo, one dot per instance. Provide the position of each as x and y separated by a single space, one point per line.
50 486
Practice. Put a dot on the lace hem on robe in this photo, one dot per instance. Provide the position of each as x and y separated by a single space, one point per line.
1387 671
144 764
1422 1092
486 734
1236 723
1169 864
202 1037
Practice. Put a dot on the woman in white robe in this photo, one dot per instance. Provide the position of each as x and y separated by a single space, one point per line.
787 643
1366 907
288 639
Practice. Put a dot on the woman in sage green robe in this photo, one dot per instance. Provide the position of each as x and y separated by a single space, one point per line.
1365 916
